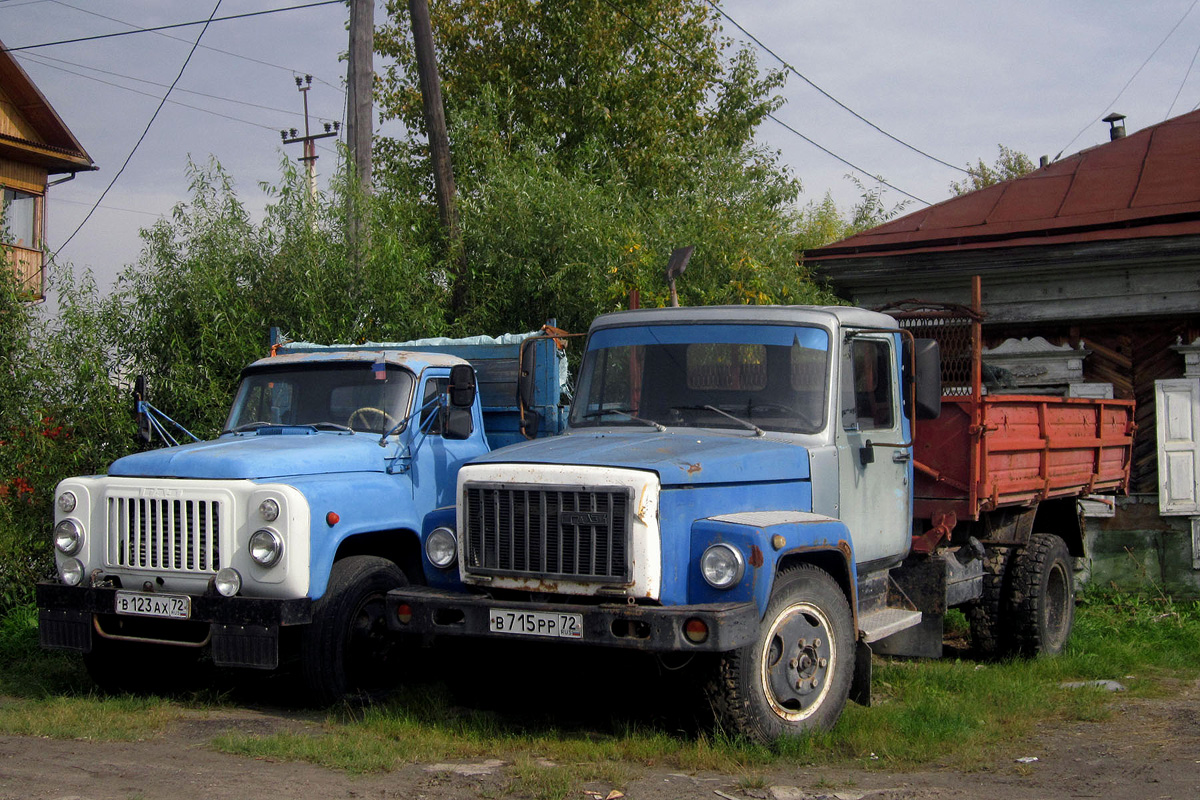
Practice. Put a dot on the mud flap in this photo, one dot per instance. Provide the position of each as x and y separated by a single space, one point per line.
860 684
255 646
65 629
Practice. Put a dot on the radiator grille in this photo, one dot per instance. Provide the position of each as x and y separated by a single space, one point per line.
173 535
530 531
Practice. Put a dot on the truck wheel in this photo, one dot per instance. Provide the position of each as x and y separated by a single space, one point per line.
795 678
1043 595
990 637
347 647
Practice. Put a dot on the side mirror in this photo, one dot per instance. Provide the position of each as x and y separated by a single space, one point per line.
462 388
526 372
144 431
530 424
928 378
458 424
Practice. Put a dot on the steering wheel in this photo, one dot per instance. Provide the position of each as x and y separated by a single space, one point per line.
388 421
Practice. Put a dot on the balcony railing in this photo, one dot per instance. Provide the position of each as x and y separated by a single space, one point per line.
26 265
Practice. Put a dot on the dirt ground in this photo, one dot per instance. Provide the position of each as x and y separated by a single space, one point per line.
1147 749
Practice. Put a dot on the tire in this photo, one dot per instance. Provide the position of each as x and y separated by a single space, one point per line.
990 634
806 637
347 648
1043 596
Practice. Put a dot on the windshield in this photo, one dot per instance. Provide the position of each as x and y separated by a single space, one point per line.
359 396
771 377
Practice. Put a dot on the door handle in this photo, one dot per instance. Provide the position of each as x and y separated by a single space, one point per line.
900 456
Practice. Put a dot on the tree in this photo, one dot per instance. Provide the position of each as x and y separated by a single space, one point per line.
1010 164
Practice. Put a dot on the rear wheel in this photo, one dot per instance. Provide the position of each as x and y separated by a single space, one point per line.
1043 595
347 648
988 615
796 677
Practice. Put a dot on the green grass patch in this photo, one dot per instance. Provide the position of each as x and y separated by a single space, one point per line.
955 712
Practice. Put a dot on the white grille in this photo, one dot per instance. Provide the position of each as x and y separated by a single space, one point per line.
170 534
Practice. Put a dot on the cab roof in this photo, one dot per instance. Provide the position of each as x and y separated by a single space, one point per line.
825 316
412 359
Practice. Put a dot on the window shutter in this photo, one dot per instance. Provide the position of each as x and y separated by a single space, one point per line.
1177 408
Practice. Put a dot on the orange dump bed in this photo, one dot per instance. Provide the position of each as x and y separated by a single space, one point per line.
1017 450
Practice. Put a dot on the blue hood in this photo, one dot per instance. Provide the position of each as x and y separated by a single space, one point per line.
679 457
291 451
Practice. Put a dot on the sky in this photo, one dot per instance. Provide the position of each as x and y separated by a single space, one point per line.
951 80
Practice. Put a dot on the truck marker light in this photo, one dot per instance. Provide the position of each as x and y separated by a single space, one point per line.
332 519
66 502
696 631
404 613
269 510
228 582
778 541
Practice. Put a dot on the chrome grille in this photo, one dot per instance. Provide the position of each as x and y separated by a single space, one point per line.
168 534
579 534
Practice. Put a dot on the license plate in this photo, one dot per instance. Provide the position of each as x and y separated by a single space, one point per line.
536 623
147 604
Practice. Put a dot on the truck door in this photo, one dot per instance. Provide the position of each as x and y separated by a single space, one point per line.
438 458
875 497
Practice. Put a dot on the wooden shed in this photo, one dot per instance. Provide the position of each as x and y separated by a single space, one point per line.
1091 284
34 145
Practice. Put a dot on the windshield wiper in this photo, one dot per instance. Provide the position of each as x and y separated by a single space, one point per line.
748 425
625 413
329 426
248 426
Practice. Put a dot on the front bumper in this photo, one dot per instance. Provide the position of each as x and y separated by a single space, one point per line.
243 631
650 628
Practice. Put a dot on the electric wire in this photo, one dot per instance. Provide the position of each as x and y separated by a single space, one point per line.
171 26
1183 83
1137 72
826 94
141 138
768 114
202 47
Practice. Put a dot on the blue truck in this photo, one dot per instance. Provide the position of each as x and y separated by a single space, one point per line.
278 539
775 493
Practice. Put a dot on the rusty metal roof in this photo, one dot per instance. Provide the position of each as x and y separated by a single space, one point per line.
1146 184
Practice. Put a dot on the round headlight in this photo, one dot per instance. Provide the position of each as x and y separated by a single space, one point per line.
66 502
266 547
70 571
228 582
269 510
441 547
722 566
68 537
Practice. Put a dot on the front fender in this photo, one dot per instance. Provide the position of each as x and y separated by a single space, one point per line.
766 539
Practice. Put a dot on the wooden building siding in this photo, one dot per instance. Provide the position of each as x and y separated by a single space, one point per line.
1131 355
13 122
26 177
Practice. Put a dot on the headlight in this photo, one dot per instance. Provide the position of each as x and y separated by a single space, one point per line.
66 502
269 510
266 547
228 582
70 571
441 547
722 566
68 537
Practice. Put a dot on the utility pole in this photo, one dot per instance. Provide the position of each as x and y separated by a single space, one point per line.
360 74
439 145
309 159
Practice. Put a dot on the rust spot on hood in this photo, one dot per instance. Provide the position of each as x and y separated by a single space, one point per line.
756 557
692 469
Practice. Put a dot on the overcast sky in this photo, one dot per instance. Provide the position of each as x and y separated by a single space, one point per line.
950 78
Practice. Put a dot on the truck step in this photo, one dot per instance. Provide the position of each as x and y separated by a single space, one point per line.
880 624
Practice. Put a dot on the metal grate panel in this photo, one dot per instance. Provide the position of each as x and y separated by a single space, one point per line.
168 534
578 534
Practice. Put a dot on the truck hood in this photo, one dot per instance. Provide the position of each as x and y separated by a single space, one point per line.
292 451
679 458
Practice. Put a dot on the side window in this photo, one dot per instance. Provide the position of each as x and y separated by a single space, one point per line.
867 385
431 418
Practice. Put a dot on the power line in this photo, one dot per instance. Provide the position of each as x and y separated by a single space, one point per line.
141 138
768 114
1137 72
56 199
1183 82
172 26
185 41
839 103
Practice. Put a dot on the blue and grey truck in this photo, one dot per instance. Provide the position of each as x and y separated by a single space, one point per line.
278 539
776 492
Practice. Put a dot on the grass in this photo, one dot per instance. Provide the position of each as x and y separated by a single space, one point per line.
561 724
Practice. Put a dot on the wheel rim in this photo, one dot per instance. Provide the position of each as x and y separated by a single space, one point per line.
798 652
369 644
1057 605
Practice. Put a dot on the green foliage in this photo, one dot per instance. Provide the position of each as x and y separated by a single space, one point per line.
1010 164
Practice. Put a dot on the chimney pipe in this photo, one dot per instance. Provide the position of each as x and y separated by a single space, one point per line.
1116 126
1044 161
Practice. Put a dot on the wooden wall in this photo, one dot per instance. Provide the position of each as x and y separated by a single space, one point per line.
1131 355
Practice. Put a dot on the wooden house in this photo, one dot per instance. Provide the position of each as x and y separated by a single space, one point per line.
1091 284
34 145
